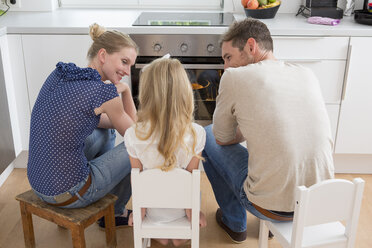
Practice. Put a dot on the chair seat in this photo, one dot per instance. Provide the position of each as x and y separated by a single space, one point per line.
171 229
314 236
76 215
74 219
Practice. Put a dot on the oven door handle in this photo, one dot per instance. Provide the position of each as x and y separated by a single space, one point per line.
191 66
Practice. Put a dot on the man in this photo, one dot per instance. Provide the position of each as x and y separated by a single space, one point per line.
277 108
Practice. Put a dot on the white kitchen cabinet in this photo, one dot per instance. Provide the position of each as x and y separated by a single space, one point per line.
9 113
20 87
355 122
330 74
333 111
8 124
43 52
326 57
307 48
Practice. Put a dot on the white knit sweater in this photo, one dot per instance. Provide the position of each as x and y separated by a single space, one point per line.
279 108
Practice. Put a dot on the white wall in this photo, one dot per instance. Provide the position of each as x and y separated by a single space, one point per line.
288 6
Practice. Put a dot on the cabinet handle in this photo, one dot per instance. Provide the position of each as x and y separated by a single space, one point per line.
346 72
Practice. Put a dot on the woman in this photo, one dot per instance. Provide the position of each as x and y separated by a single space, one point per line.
72 162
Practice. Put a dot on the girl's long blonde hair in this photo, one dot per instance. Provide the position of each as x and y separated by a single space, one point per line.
166 108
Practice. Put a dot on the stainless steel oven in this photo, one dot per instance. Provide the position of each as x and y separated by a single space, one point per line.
200 56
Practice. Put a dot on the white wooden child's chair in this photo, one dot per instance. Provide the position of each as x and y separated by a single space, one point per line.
154 188
318 211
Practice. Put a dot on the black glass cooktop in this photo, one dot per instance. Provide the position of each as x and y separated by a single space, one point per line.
184 19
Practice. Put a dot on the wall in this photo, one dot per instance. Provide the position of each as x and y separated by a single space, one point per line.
288 6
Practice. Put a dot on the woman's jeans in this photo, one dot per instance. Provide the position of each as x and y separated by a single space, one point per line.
110 171
227 168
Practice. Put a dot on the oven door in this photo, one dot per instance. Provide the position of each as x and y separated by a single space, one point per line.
205 80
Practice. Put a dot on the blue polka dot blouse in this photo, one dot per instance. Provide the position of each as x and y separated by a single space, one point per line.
61 119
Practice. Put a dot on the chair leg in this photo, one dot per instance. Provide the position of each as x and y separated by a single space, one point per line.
263 235
195 242
28 228
146 243
78 236
138 242
110 227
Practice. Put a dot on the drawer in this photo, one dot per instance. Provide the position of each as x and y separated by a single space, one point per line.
310 47
333 111
330 74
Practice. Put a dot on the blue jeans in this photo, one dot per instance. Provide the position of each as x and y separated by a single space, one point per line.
110 171
227 168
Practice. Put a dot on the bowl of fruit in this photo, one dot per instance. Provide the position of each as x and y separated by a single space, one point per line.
261 9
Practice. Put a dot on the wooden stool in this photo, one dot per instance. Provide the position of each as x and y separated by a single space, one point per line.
74 219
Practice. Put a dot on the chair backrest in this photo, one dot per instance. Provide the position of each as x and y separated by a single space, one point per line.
154 188
158 189
329 201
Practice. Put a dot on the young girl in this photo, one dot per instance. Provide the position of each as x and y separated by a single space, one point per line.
165 136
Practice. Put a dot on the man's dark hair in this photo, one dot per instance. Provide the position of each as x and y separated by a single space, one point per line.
240 32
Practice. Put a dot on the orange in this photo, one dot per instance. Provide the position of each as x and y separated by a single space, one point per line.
244 3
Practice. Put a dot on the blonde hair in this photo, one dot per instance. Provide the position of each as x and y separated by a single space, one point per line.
111 41
166 108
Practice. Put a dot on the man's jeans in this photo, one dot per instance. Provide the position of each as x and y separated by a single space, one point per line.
227 168
110 170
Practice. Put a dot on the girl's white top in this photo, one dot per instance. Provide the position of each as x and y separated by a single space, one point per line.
147 152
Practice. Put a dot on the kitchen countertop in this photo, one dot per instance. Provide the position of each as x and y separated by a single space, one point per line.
77 21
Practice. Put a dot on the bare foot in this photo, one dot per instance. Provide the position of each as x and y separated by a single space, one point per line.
202 220
130 220
178 242
162 241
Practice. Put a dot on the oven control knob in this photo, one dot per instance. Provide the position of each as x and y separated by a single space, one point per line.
184 47
157 47
210 48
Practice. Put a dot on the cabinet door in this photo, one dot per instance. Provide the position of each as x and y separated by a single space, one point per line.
16 60
7 151
43 52
297 47
332 110
330 74
355 122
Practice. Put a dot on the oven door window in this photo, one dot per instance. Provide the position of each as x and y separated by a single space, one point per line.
204 79
205 85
